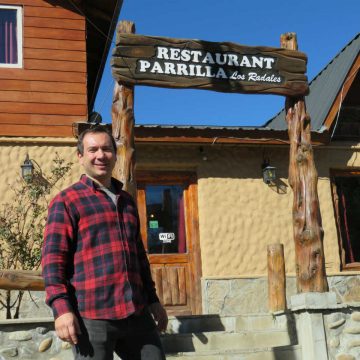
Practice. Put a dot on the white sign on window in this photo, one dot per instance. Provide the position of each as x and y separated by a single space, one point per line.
166 237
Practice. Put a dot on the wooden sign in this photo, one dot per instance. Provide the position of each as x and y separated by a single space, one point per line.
225 67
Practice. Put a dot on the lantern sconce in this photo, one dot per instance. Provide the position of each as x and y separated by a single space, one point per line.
94 118
268 172
27 169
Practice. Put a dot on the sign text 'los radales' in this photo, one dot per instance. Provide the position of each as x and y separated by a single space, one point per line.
198 64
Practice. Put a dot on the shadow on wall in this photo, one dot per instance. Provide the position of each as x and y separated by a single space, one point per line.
205 323
288 352
193 326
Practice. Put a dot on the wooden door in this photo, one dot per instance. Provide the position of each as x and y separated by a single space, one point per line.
169 227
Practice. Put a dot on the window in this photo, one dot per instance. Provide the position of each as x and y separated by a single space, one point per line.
165 219
10 36
346 196
163 212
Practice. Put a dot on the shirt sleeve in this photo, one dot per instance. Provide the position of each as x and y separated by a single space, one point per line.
58 236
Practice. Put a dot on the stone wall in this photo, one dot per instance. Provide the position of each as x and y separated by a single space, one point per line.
32 339
323 329
250 295
342 329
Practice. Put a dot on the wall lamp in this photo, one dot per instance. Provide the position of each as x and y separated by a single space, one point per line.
94 118
268 172
27 169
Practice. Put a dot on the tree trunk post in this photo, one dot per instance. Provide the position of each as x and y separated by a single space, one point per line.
123 121
276 277
303 178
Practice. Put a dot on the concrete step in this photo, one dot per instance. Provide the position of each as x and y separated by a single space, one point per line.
224 340
201 323
277 353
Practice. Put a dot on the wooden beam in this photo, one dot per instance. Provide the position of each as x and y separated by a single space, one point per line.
342 93
21 280
303 178
38 130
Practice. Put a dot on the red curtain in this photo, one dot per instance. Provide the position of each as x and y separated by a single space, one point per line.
181 226
8 40
346 232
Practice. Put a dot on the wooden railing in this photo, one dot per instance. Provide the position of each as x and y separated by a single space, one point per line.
21 280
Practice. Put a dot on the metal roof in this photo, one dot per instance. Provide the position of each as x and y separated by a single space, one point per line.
212 134
199 127
324 88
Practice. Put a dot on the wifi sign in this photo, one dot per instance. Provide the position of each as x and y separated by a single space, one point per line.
166 237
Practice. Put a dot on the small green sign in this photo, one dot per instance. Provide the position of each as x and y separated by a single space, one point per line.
153 224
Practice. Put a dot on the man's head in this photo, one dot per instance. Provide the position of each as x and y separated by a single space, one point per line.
94 130
97 153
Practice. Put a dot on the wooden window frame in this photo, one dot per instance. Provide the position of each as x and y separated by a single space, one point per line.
333 174
19 35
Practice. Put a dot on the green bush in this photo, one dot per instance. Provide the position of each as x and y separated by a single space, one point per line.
22 225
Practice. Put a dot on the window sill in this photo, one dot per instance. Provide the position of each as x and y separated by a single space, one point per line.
11 66
351 267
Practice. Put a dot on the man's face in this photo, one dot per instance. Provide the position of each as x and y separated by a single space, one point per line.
99 157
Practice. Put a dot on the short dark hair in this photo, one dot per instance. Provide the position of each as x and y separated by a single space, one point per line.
98 129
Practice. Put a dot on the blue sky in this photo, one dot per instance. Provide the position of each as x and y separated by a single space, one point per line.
323 28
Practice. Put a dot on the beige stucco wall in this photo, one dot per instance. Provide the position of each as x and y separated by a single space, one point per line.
239 215
13 152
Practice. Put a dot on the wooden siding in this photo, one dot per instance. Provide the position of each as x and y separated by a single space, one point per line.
48 94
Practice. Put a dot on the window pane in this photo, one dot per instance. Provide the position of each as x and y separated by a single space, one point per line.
165 219
348 191
8 37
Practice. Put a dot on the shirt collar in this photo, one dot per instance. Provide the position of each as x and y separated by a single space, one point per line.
86 180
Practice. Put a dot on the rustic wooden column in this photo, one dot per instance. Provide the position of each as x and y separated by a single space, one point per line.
303 178
123 121
276 277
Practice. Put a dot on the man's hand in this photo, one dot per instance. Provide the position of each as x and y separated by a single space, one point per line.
67 327
160 316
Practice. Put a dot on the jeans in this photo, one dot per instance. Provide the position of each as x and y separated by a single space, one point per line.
133 338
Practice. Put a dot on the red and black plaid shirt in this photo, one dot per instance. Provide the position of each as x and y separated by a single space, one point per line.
93 259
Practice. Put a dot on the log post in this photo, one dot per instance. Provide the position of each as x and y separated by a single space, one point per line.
303 178
276 277
123 121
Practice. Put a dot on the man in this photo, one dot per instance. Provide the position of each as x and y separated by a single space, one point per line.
97 276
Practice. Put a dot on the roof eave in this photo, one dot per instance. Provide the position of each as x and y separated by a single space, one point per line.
107 46
258 136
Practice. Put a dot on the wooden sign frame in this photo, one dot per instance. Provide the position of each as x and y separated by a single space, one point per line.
224 67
